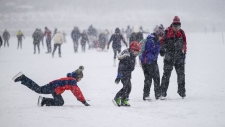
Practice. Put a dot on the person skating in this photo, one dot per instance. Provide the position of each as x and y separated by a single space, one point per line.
58 40
84 40
55 87
116 45
48 33
149 56
36 40
75 35
6 37
19 38
126 66
174 51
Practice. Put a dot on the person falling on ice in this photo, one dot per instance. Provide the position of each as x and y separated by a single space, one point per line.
56 88
126 65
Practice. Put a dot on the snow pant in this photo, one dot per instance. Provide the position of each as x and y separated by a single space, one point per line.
178 62
55 46
115 50
6 41
83 48
57 100
19 44
38 46
75 45
125 91
48 44
151 71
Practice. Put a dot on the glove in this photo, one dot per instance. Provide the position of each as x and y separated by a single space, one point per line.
118 78
85 103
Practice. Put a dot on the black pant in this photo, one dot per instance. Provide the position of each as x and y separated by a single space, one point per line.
6 41
55 46
19 43
115 52
75 45
38 46
48 44
178 62
151 71
125 91
57 100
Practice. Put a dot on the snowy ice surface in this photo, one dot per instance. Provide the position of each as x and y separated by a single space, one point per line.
203 106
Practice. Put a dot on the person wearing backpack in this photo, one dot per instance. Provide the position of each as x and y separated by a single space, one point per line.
174 48
149 56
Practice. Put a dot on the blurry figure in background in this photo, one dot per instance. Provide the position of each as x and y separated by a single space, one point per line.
19 37
84 40
36 40
92 35
42 37
126 65
64 36
116 45
6 37
149 56
55 31
136 35
0 41
55 87
75 35
58 40
102 41
48 34
106 32
128 33
174 47
142 31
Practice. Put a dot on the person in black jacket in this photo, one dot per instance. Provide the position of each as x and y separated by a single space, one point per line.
116 38
126 66
84 40
75 35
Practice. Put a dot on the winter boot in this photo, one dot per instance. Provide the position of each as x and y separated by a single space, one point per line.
125 103
40 101
146 98
18 77
117 102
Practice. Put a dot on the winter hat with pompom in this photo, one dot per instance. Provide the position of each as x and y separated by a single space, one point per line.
158 31
79 72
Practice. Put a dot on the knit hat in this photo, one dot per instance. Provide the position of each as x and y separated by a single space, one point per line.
176 21
159 31
79 72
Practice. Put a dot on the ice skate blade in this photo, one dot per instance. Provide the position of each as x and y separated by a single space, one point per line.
17 75
114 102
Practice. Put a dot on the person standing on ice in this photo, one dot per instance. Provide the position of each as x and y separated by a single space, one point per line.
6 37
58 40
75 35
55 87
84 40
116 45
174 48
48 35
149 56
128 33
19 37
136 35
126 65
36 40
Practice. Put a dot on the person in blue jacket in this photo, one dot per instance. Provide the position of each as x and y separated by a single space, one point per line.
149 56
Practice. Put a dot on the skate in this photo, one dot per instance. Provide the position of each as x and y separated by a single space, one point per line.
40 101
147 98
125 103
18 77
162 98
117 102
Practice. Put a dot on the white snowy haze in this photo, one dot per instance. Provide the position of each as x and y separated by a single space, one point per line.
195 15
202 20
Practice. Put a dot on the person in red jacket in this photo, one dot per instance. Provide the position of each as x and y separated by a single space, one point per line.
174 48
56 88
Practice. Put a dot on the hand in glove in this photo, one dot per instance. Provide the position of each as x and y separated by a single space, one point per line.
118 78
85 103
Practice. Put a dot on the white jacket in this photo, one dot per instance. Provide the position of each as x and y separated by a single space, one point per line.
58 38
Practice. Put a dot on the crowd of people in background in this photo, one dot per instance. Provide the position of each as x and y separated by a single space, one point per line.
170 43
